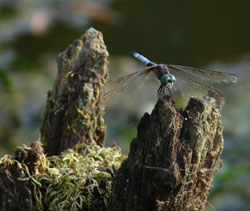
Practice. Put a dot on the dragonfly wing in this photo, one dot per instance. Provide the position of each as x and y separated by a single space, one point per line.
189 84
186 84
204 75
122 86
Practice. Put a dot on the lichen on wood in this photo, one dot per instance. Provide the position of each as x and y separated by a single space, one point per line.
172 161
73 114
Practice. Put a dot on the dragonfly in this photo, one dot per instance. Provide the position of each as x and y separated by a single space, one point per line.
169 75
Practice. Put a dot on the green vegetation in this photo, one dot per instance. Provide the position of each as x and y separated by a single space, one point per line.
72 181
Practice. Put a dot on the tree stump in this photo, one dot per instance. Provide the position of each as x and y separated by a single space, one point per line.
172 161
73 114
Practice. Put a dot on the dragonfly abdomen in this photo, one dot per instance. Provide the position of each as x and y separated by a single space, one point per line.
142 59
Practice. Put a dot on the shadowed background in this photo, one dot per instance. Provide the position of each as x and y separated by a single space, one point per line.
213 35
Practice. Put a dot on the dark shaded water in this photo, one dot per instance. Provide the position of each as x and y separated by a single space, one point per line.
191 33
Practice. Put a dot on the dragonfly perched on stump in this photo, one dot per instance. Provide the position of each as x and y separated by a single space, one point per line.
168 75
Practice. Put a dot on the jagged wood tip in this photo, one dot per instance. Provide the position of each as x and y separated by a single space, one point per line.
73 114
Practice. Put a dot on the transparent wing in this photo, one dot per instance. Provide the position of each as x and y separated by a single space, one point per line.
189 84
122 86
204 75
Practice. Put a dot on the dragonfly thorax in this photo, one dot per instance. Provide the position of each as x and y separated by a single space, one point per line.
168 80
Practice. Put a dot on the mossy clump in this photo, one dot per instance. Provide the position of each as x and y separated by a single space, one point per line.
71 181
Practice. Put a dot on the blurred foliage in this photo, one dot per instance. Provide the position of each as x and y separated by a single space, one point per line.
232 173
5 82
127 135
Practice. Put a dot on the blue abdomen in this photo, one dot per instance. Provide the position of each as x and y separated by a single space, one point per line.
142 59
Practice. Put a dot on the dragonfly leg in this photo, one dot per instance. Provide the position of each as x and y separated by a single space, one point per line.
160 91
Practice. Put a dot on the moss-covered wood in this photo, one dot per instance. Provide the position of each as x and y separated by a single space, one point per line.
30 181
73 114
170 166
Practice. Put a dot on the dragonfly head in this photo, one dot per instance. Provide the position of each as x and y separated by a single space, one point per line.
168 80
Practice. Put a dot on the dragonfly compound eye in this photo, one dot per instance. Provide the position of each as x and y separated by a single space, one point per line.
168 80
165 80
172 78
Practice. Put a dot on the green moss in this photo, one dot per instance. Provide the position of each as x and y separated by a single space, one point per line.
72 181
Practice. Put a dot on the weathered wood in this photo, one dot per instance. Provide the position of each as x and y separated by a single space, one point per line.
73 113
172 161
